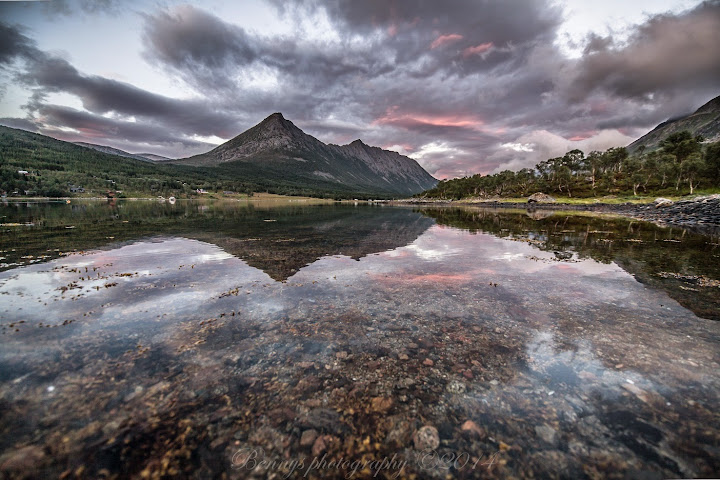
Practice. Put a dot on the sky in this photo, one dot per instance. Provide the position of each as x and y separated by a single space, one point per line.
462 86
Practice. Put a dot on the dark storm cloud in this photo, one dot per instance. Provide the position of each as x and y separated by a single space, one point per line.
596 43
349 70
666 54
94 127
14 43
70 7
198 44
475 20
212 54
455 37
102 95
46 74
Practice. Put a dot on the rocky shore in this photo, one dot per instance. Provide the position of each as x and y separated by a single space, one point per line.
700 214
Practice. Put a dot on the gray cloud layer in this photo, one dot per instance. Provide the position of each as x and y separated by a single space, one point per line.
158 119
665 54
465 85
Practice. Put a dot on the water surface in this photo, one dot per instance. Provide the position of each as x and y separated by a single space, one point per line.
145 340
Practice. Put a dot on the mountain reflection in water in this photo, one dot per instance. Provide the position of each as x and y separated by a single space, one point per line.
166 345
276 239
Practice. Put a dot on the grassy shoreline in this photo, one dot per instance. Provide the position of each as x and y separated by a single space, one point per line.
560 200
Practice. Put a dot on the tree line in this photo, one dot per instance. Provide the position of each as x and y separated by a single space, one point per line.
681 165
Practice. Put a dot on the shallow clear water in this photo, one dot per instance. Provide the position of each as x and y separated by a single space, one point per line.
147 339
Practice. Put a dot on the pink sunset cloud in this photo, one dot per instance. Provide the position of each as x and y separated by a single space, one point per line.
478 49
409 120
583 135
396 146
443 40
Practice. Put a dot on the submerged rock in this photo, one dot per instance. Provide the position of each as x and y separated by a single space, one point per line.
456 387
322 419
426 438
547 434
23 460
400 431
381 404
471 428
308 438
323 443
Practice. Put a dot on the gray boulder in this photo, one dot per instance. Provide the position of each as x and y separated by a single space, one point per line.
540 198
663 202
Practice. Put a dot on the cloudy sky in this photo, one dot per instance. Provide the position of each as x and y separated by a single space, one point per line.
463 86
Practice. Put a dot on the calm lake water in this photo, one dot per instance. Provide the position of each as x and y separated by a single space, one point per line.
237 340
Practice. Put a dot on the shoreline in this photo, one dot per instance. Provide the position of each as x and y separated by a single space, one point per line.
700 214
255 197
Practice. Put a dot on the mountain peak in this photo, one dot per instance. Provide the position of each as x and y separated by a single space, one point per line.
276 125
275 119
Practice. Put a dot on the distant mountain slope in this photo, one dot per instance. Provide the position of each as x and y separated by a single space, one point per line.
112 151
145 157
154 158
278 149
704 121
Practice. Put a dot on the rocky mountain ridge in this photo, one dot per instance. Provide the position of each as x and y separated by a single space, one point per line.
277 145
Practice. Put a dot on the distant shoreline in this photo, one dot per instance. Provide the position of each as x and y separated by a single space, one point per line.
701 214
255 197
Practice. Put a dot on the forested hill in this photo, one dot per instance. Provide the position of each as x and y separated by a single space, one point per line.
36 165
681 165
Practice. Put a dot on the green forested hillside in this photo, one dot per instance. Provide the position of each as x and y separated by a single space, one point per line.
682 165
54 167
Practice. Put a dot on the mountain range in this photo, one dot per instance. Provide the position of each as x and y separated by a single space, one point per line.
273 156
145 157
277 147
704 121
